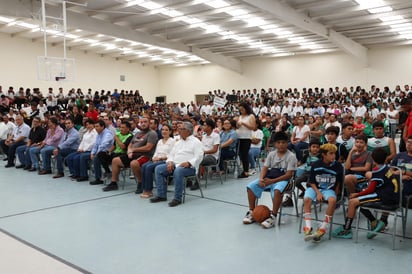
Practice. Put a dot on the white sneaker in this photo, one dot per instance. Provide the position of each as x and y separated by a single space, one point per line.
252 172
269 222
248 218
131 177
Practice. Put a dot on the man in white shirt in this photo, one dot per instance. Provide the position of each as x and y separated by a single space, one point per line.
183 160
6 127
361 110
17 138
210 145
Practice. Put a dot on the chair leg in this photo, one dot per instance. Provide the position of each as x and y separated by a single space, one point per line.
357 225
301 221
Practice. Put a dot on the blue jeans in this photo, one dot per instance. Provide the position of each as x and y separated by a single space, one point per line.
59 158
179 172
97 167
225 154
147 174
34 156
254 153
78 163
46 153
23 153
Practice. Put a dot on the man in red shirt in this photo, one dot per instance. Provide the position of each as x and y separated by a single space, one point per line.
92 113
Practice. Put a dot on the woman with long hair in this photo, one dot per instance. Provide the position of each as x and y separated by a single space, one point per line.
245 123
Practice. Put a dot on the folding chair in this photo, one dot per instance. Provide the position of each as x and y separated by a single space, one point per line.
211 167
394 210
340 202
405 217
194 178
232 162
289 189
123 173
260 158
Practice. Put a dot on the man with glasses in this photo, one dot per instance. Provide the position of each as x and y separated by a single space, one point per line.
183 160
17 138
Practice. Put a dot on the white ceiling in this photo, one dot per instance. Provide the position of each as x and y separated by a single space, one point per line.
191 32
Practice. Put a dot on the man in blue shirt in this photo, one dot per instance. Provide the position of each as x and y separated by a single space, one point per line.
68 144
104 142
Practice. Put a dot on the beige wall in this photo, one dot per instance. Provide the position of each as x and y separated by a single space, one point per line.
388 66
18 68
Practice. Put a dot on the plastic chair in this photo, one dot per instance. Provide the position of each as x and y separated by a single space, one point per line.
394 210
340 202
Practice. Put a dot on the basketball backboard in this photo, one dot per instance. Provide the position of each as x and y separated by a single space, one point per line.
56 69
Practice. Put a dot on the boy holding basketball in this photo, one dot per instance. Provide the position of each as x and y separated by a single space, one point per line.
278 168
325 180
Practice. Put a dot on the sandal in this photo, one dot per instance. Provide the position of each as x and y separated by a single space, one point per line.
146 195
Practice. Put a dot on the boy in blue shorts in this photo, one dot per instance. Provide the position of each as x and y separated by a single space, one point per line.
278 168
324 184
383 187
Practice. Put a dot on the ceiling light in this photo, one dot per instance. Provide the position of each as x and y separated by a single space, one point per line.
391 18
268 27
26 25
217 4
254 22
5 19
133 2
150 5
170 12
191 20
211 28
380 10
370 4
237 12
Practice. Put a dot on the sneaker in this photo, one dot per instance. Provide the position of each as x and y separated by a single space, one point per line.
288 202
308 234
248 218
376 227
131 177
342 233
252 172
269 222
318 235
110 187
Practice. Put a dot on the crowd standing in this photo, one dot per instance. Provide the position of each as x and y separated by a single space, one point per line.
310 133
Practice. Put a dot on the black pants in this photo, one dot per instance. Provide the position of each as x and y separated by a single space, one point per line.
244 146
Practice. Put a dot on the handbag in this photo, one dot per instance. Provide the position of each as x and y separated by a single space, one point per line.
275 173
